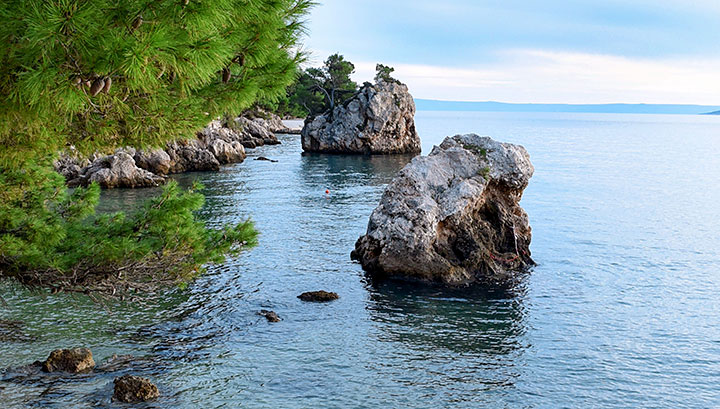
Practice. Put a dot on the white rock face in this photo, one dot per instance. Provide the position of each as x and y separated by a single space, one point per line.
453 217
379 119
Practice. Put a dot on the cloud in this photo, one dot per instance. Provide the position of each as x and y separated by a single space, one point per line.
544 76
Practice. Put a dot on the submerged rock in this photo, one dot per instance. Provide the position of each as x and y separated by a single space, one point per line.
265 159
453 217
271 316
379 119
13 331
134 389
117 170
318 296
69 360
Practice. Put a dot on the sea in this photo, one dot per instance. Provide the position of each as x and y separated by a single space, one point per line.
622 310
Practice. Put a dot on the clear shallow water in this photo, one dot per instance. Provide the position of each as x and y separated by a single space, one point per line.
622 311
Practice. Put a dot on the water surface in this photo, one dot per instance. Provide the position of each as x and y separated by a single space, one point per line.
622 310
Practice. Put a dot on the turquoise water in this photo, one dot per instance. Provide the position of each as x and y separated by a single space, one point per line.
623 309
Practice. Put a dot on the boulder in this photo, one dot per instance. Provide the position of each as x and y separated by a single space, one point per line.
379 119
224 143
269 121
117 170
318 296
156 161
70 164
453 217
69 360
134 389
191 156
253 133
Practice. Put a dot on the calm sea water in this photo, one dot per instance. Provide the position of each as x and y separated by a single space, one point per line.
623 309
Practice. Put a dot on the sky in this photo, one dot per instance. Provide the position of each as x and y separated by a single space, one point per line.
550 51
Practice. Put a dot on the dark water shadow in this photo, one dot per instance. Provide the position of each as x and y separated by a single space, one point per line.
458 320
340 171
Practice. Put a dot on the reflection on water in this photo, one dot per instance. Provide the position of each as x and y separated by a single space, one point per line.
350 170
459 321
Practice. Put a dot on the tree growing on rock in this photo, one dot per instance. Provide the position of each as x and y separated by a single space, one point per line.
384 73
333 80
99 74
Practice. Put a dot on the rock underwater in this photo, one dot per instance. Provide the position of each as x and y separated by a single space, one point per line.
453 217
378 119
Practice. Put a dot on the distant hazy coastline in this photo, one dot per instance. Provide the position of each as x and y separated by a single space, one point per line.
491 106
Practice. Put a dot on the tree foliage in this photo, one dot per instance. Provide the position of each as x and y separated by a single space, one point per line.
99 74
167 60
318 90
384 73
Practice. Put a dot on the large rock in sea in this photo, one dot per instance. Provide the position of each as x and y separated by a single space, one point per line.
379 119
453 217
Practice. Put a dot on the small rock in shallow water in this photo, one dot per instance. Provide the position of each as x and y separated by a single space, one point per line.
271 316
133 389
318 296
69 360
267 159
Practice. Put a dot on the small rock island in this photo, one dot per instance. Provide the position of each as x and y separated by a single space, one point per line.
453 217
378 119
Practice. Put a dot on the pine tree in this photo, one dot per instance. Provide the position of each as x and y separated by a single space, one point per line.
333 80
98 74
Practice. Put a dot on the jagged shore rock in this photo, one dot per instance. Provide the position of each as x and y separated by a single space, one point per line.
113 171
134 389
74 360
379 119
453 217
219 143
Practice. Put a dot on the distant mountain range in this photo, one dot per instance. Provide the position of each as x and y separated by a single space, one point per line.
491 106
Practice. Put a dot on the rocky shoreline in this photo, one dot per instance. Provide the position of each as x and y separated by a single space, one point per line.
221 142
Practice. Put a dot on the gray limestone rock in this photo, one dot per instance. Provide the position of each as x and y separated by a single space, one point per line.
379 119
453 217
117 170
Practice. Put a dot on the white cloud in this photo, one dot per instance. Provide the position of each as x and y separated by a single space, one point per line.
562 77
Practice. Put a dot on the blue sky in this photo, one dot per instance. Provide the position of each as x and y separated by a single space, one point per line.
663 51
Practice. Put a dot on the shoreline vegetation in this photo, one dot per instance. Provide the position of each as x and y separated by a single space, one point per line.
100 75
